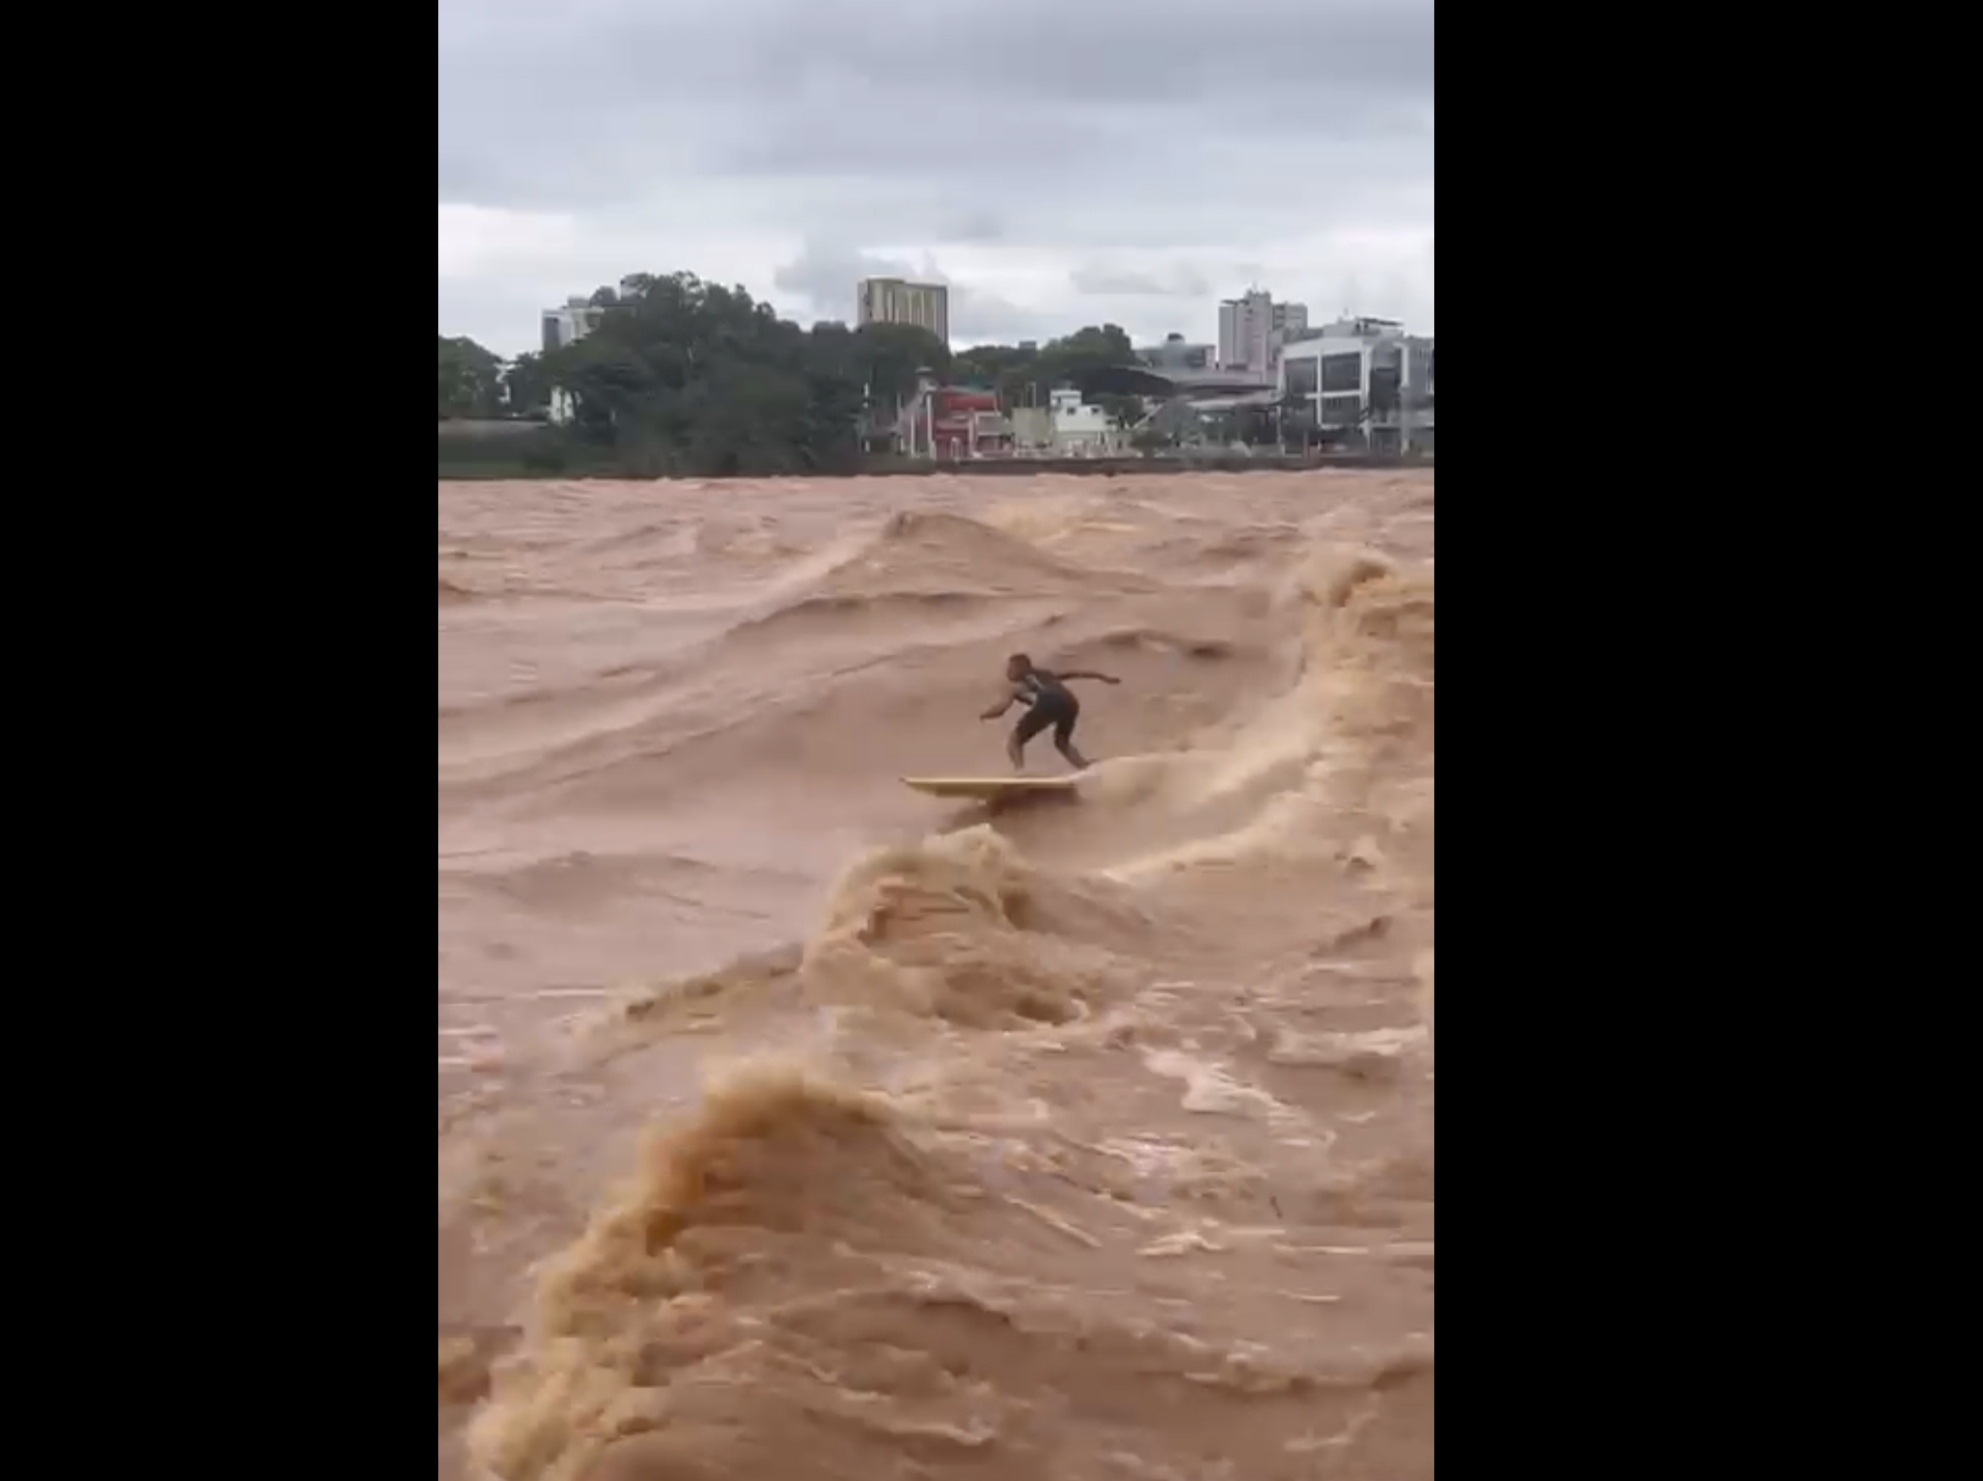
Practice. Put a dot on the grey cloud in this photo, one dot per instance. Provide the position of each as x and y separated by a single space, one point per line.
977 317
824 275
574 105
1159 54
1180 280
1094 135
974 227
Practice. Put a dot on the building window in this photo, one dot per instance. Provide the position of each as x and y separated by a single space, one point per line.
1342 372
1341 411
1302 375
1387 366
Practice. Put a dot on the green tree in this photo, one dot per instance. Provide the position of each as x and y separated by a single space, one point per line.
683 376
1006 369
471 380
526 388
1026 375
890 355
1106 345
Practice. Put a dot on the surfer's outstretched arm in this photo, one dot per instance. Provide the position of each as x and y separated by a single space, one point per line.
1001 707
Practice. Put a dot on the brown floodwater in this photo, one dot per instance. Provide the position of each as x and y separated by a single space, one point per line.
794 1124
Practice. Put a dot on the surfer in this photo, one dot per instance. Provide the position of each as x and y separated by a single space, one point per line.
1049 702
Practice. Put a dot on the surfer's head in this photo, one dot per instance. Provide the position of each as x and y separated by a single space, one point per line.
1018 666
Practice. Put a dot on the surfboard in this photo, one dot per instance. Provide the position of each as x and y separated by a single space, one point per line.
988 786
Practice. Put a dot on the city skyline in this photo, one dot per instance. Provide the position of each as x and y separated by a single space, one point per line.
813 146
1306 322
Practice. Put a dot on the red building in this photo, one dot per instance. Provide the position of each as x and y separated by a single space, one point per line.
956 423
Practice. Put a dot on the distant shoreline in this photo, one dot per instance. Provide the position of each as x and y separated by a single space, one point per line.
495 470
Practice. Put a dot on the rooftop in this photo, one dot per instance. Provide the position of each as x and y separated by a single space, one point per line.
1144 380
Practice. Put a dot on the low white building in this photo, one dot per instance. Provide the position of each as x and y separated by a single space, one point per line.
1079 429
1364 376
1066 427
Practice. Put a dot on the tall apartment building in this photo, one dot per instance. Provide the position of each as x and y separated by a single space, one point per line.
894 301
568 325
1252 329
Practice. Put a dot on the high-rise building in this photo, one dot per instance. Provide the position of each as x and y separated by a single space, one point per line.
894 301
567 325
1243 326
1252 329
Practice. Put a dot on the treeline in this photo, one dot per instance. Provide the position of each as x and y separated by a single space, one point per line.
683 377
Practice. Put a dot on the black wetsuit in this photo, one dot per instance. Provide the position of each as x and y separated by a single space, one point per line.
1051 703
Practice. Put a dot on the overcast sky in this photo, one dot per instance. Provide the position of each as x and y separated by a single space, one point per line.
1056 164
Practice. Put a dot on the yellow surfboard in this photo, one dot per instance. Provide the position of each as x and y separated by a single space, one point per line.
988 787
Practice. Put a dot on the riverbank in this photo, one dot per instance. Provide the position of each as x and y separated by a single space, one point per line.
486 463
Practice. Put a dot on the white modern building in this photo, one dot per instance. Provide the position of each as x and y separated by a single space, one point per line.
1367 376
1252 329
895 301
